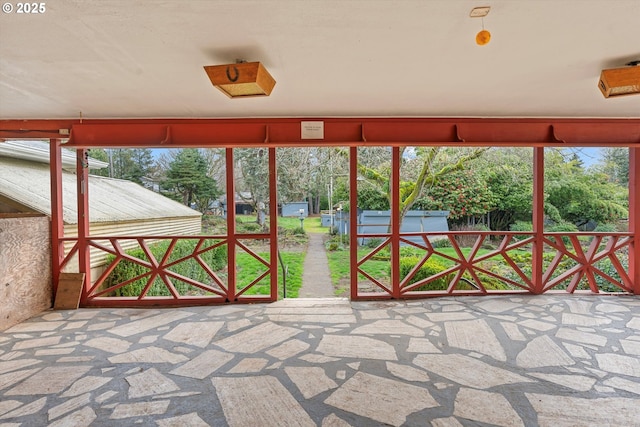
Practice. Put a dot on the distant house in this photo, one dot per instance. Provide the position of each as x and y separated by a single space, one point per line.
116 207
243 205
151 183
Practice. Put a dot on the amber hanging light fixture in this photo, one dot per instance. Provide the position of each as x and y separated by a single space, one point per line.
484 36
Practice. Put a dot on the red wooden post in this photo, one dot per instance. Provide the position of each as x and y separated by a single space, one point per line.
538 219
395 221
84 259
231 227
634 217
353 219
273 223
57 219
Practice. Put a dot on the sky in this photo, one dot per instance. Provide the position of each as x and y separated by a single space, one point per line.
589 156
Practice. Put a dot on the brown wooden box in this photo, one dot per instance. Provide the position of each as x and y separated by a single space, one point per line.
241 80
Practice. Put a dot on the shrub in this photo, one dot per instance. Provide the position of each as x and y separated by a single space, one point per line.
214 224
521 226
299 231
373 243
563 227
215 258
248 227
407 251
433 267
606 228
428 269
332 246
441 243
608 268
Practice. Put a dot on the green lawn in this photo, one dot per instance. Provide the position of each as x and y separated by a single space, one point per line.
339 268
339 262
248 268
311 224
314 225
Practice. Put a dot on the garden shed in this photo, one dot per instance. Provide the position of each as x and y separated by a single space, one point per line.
241 203
370 222
116 206
293 209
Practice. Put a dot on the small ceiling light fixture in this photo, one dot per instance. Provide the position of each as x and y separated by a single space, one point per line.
484 36
242 79
620 81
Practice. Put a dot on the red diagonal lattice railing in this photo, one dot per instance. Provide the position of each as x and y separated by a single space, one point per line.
475 263
592 261
167 276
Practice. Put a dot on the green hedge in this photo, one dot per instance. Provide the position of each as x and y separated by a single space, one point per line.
428 269
433 267
215 258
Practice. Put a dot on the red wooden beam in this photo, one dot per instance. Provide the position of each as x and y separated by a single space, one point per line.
182 133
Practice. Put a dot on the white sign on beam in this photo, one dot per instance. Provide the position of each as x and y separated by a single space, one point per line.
312 130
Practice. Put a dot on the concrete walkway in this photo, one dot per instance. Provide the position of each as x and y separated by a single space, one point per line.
316 278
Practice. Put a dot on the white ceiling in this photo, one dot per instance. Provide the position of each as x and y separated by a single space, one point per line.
111 58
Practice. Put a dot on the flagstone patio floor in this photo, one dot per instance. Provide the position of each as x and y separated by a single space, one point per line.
550 360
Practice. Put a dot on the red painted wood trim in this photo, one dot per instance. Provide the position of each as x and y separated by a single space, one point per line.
538 220
634 217
57 218
82 195
273 223
395 221
231 227
353 220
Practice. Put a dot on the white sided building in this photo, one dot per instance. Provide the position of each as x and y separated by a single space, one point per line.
116 207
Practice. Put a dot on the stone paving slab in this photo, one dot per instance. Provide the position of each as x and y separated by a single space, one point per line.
550 360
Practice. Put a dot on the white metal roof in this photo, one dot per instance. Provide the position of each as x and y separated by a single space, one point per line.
110 199
38 151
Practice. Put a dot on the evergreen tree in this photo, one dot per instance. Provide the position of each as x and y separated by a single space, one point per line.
130 163
99 154
187 180
615 163
141 164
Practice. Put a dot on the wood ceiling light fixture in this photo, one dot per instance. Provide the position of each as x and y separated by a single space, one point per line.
242 79
616 82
